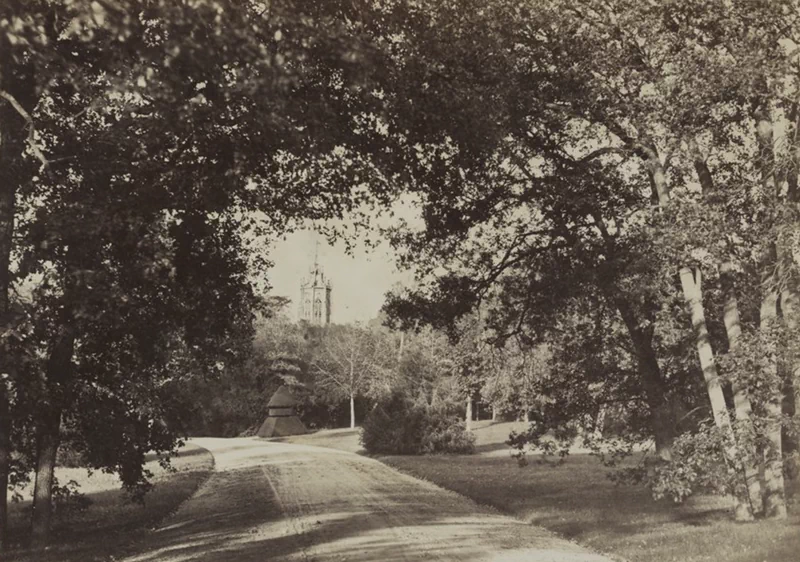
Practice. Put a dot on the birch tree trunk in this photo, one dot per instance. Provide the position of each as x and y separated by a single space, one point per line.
658 176
691 283
468 416
733 330
352 412
774 492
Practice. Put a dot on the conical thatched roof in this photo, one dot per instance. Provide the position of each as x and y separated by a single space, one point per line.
282 399
281 427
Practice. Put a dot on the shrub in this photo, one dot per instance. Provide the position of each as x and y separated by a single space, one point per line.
400 427
394 426
453 439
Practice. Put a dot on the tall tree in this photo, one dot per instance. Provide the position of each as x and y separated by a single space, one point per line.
557 171
139 141
352 361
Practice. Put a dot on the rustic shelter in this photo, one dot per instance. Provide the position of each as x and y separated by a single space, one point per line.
282 417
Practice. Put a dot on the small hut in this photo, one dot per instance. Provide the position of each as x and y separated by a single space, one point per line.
282 417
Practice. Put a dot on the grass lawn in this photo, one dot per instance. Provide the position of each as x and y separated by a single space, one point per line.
343 439
577 501
110 523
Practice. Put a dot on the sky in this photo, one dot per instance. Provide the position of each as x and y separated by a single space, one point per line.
359 281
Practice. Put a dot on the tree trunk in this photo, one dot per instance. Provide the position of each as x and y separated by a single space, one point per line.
790 303
663 419
5 462
790 309
527 416
741 401
468 416
733 329
494 413
658 176
599 423
774 492
12 147
764 136
47 448
7 197
701 168
352 412
56 383
691 282
400 347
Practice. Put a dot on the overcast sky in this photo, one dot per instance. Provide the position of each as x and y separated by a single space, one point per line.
359 281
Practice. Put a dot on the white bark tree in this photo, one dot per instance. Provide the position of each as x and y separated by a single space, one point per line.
352 361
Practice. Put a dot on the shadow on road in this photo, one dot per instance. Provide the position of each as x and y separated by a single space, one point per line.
250 526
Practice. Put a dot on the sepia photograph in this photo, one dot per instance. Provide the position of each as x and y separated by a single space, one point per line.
399 280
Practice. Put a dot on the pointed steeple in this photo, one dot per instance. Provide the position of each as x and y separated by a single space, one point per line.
316 273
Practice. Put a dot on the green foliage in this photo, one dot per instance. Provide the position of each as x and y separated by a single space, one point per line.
698 465
147 147
398 426
539 437
233 401
395 426
444 433
616 143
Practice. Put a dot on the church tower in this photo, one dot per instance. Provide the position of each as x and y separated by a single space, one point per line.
315 297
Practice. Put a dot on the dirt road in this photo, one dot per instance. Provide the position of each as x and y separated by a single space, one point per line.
278 501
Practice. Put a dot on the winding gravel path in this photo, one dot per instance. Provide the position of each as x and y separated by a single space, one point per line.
279 501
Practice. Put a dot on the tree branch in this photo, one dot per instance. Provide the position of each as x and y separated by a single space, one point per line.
31 130
601 151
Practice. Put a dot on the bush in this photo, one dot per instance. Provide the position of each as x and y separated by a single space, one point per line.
394 426
398 426
451 437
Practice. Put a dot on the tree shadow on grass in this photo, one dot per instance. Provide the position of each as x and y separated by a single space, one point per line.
575 499
492 447
182 454
110 521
